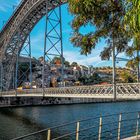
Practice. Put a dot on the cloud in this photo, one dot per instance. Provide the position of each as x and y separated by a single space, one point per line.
37 45
74 56
37 42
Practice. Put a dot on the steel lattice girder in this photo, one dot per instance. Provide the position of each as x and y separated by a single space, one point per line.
128 91
53 46
16 31
21 75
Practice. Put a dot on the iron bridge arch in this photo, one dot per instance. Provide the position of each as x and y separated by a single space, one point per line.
21 23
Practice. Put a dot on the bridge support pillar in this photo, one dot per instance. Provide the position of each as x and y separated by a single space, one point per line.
53 45
23 74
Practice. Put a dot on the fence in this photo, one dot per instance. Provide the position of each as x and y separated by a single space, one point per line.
107 127
124 91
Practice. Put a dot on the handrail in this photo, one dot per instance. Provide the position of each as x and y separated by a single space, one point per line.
80 121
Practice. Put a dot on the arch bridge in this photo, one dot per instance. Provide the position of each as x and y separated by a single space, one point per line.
17 30
16 33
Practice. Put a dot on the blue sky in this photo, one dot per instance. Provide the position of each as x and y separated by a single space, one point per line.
70 52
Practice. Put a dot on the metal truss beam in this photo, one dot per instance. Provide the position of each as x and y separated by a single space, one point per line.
53 45
23 74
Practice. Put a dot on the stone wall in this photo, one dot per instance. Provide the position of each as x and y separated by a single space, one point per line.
28 101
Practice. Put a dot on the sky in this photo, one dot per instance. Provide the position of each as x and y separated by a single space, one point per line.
71 53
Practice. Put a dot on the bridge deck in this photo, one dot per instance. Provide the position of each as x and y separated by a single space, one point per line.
123 91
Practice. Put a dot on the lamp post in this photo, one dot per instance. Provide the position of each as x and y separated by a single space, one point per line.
114 71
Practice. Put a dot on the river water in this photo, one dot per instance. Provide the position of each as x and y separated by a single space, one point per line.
15 122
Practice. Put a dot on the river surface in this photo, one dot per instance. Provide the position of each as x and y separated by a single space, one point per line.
15 122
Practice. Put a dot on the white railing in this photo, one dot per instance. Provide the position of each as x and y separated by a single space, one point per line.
124 126
124 91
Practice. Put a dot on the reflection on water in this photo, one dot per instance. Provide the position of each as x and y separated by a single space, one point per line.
15 122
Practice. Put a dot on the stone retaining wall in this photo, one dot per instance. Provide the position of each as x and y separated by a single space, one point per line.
27 101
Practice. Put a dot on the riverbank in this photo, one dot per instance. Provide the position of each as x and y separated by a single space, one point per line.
43 101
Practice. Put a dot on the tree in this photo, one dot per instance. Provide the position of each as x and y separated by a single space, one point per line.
94 79
67 63
132 23
127 77
132 17
74 64
57 60
82 79
132 52
106 17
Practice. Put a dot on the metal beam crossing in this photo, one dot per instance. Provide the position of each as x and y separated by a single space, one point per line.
53 46
23 72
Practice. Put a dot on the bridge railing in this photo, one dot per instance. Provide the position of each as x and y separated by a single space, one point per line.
123 90
128 89
115 126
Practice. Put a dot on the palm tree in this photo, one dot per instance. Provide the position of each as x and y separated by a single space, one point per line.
132 17
127 77
132 23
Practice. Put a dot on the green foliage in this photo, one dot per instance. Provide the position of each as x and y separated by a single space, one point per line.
74 64
132 64
132 17
127 77
55 59
132 23
106 17
133 53
67 63
94 79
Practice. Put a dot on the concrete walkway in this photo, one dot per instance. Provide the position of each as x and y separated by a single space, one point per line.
133 138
